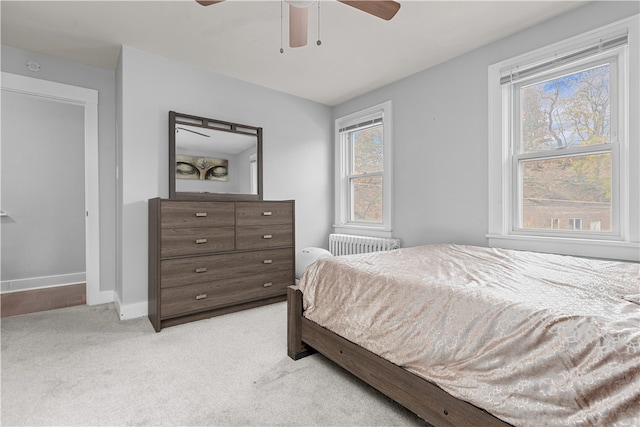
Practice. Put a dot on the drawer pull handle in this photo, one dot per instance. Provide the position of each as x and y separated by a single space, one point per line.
201 296
267 236
200 241
267 261
266 213
201 214
266 285
201 270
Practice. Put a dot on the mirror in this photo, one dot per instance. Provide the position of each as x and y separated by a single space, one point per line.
213 160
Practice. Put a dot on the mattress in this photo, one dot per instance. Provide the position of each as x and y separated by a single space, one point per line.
534 339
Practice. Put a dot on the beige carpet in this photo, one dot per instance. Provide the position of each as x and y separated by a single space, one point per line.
83 366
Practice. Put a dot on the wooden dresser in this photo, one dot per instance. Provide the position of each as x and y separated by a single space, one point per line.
211 258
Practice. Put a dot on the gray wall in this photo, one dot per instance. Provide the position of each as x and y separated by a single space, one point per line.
43 236
52 69
440 125
297 147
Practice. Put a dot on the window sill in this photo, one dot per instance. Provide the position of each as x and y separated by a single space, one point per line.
362 230
609 249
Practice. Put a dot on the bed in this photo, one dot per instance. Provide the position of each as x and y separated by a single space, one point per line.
464 335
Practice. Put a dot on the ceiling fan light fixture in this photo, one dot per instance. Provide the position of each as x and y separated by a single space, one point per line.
298 20
300 3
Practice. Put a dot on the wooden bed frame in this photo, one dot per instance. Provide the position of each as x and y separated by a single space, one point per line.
420 396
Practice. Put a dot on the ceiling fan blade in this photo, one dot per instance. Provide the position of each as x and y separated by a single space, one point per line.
209 2
384 9
298 22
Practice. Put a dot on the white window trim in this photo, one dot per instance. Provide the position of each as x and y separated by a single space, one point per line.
342 223
501 196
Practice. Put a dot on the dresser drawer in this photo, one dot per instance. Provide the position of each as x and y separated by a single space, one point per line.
195 241
264 213
264 236
197 214
193 298
185 271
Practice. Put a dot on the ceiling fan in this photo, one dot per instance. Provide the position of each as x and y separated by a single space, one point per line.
299 14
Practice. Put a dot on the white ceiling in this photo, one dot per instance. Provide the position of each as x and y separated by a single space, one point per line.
242 39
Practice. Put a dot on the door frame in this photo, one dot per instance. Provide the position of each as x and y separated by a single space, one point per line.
88 99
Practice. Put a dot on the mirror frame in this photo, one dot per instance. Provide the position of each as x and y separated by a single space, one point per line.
212 124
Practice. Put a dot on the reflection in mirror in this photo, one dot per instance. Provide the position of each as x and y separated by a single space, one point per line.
213 159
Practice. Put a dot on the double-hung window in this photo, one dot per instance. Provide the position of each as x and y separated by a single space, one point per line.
566 149
363 172
561 155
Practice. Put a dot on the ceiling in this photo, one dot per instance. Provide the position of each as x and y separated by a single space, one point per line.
242 39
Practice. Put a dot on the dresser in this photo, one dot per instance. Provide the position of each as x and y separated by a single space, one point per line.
208 258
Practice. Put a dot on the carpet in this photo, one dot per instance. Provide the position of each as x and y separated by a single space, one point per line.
83 366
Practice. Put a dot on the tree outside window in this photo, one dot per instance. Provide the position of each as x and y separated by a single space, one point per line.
366 174
564 158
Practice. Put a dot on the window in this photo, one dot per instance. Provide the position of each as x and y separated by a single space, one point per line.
564 145
363 171
575 223
563 163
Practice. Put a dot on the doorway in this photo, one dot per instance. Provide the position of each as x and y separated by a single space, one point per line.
82 103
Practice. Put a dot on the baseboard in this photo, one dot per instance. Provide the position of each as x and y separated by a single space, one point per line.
42 282
131 311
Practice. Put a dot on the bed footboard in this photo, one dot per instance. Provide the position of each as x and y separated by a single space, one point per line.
420 396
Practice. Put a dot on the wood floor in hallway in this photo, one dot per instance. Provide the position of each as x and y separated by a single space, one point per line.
31 301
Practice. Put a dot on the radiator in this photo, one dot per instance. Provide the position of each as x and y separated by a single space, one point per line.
347 244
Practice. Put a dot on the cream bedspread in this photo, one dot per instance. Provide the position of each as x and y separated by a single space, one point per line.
535 339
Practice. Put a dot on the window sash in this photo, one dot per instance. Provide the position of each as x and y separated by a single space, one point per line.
348 139
351 197
515 102
517 181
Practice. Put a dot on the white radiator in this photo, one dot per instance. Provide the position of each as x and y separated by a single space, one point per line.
347 244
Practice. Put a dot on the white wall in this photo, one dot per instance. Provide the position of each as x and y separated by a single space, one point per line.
297 150
440 125
43 189
57 70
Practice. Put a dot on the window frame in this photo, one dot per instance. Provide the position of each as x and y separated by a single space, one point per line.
504 160
343 156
